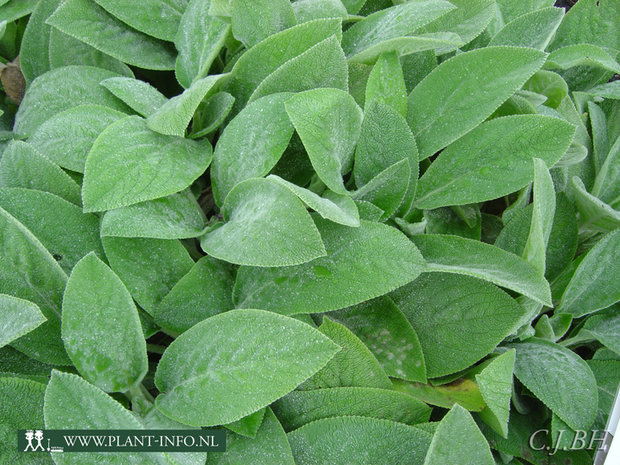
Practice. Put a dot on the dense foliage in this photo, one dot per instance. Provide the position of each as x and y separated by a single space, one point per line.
348 231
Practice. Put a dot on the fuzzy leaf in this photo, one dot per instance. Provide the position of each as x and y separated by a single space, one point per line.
457 440
328 122
88 22
375 256
140 96
355 440
59 90
23 166
470 89
67 137
247 149
301 407
129 163
542 366
17 317
266 225
458 319
177 216
202 29
98 317
391 23
475 168
203 292
29 272
237 362
453 254
156 18
390 337
594 284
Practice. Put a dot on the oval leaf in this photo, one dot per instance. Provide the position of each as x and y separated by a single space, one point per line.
375 256
98 317
236 363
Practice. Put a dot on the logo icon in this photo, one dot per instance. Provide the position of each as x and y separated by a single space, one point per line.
36 435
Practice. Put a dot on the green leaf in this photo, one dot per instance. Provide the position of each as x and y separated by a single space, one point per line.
383 328
59 90
65 50
591 22
88 22
386 84
22 166
212 114
16 9
495 382
458 319
343 440
391 23
534 29
453 254
251 144
323 65
73 403
129 163
375 256
301 407
255 20
34 50
248 426
476 168
21 408
408 45
199 39
157 18
308 10
173 117
607 184
542 217
468 20
605 328
543 366
600 139
67 137
385 139
509 10
63 229
262 217
594 284
387 190
458 440
17 317
98 317
462 391
549 84
470 89
267 56
594 214
338 208
149 268
204 291
177 216
140 96
328 122
609 90
269 447
354 365
451 221
562 240
237 362
29 272
582 55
